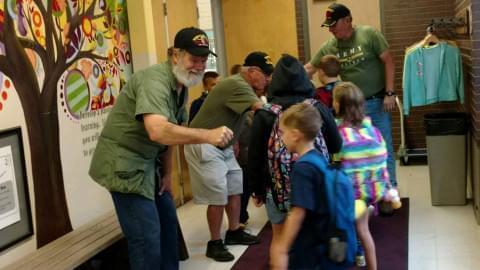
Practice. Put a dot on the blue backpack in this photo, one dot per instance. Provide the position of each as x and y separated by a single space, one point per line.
341 234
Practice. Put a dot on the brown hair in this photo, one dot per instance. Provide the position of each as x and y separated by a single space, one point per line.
330 65
303 117
350 103
208 75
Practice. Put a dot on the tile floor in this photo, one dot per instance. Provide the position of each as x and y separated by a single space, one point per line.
439 237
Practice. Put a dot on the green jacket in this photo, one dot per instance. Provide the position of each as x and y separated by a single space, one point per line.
124 159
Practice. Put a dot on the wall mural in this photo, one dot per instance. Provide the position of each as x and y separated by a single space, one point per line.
64 58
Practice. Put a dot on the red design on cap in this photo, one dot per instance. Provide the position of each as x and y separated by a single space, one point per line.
200 40
328 14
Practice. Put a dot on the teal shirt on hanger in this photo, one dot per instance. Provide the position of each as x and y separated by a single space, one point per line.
432 74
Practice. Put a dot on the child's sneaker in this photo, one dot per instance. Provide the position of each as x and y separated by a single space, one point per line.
371 210
386 208
360 261
360 256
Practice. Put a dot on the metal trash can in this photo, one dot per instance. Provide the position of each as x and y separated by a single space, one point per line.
447 155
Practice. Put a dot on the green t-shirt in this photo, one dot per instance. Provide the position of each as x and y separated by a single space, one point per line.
124 159
225 105
359 58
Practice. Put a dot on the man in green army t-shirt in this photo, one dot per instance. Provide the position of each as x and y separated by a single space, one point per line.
145 120
367 62
216 176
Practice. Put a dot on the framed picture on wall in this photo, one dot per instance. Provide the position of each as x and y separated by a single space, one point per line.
15 214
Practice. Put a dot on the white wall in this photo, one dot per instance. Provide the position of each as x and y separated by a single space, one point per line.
204 14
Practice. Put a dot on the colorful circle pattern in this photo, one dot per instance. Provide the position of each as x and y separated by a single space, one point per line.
77 93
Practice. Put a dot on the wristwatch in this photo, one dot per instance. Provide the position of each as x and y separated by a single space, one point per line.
390 93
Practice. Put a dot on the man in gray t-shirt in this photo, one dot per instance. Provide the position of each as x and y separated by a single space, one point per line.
216 177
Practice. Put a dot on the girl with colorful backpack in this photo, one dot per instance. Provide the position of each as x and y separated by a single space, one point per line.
363 157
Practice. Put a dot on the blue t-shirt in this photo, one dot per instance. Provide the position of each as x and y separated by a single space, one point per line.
308 192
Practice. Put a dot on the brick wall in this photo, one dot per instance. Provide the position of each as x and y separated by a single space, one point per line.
474 84
464 42
405 23
300 30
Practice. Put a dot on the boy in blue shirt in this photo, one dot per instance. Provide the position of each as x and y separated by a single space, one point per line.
302 242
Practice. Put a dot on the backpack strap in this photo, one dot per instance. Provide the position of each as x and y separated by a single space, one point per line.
330 186
273 108
311 101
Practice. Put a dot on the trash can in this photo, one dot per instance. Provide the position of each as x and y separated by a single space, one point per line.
447 155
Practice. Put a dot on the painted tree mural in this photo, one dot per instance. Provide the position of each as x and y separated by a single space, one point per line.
75 51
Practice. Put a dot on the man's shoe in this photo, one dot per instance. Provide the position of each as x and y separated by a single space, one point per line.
243 225
240 237
217 251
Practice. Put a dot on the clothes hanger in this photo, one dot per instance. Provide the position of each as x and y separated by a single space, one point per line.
430 39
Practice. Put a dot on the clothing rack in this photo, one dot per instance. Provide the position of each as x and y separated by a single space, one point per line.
447 22
404 153
445 27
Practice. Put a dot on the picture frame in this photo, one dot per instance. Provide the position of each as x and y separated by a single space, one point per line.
15 212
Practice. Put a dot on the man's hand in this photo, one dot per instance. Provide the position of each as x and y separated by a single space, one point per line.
220 136
236 149
166 184
389 103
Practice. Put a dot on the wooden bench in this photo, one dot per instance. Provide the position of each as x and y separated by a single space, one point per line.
74 248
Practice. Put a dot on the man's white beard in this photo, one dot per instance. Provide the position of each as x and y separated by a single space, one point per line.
186 77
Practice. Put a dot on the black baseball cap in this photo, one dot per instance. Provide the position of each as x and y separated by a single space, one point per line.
194 41
261 60
334 13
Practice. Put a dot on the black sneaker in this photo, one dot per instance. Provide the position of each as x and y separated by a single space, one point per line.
385 208
217 251
240 237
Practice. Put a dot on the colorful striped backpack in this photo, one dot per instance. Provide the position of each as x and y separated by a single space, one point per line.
280 160
364 158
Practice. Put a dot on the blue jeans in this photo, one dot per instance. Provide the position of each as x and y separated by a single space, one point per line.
150 228
383 121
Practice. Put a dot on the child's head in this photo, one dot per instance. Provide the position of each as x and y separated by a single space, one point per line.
329 67
300 125
348 102
210 79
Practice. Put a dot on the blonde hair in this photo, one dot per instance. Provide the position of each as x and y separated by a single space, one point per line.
350 102
303 117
